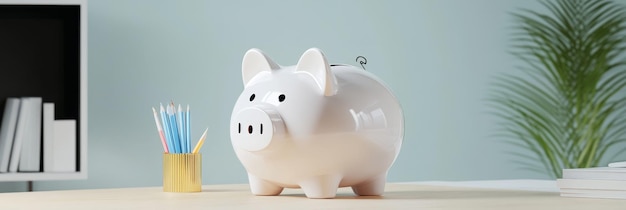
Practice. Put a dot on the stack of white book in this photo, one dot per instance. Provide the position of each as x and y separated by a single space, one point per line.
30 133
600 182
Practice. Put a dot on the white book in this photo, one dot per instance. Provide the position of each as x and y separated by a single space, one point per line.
591 184
7 131
30 158
64 146
605 173
48 137
20 131
586 193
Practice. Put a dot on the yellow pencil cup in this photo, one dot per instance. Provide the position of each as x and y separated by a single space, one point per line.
182 172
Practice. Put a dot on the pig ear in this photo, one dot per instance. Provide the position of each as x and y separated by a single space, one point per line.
255 62
314 62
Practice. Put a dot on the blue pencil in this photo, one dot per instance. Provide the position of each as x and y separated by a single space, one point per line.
166 130
188 129
181 129
174 129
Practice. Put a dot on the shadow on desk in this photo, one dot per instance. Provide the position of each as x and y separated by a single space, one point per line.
431 193
440 195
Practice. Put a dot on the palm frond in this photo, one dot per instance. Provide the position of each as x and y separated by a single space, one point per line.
567 111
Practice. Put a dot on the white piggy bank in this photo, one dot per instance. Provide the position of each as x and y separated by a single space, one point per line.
314 126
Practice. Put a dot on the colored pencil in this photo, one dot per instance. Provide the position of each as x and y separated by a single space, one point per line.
174 128
181 129
188 129
200 142
160 130
166 129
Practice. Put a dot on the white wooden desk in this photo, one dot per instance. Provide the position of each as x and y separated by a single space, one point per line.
419 195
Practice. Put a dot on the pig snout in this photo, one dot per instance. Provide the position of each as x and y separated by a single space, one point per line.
254 128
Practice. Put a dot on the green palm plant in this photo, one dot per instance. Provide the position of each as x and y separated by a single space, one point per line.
567 107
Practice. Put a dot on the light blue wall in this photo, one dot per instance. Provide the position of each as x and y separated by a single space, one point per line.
438 56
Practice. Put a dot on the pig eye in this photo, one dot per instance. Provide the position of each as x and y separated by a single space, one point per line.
252 97
281 97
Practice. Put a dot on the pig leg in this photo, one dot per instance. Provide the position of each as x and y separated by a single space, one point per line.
375 186
324 186
259 186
